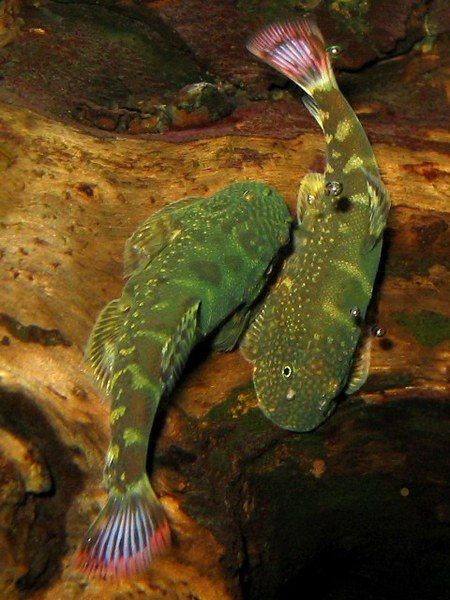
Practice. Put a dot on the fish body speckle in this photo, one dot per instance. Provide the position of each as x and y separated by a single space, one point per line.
304 341
195 268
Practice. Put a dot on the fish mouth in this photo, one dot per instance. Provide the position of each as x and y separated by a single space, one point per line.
298 418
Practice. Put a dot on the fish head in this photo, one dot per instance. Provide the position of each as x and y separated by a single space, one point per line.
297 392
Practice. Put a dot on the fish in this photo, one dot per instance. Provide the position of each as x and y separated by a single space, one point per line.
307 342
194 269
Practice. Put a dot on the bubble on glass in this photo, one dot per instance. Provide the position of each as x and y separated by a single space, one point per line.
335 50
355 312
379 331
334 188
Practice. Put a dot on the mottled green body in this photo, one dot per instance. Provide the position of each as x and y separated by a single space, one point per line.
304 338
195 266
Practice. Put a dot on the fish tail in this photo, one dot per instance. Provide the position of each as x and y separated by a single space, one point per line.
130 531
296 48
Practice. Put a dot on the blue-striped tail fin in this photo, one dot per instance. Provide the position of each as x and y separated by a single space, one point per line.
128 534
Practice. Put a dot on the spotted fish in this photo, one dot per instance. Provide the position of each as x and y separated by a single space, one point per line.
306 342
194 268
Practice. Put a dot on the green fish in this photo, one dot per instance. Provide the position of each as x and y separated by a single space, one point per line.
306 342
194 268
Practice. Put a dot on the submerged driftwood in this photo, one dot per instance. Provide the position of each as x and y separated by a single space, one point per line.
256 512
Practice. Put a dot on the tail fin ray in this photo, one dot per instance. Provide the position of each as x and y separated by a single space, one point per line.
297 49
130 531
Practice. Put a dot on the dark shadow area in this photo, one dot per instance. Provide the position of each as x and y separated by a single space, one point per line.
385 568
45 545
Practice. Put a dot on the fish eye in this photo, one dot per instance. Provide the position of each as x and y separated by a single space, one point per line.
286 371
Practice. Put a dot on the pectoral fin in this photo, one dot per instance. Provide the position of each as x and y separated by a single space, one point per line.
230 332
250 346
312 188
313 109
380 204
102 343
361 364
155 233
176 351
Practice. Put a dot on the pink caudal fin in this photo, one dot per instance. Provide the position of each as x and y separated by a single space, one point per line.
128 534
296 48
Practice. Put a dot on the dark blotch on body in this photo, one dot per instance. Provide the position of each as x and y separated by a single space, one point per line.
233 263
249 243
207 271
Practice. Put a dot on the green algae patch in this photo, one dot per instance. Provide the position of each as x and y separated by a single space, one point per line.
428 327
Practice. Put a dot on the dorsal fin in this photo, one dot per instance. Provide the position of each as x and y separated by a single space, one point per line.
102 343
154 234
380 204
177 349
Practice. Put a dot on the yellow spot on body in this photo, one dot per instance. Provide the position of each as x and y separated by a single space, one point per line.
360 199
138 379
329 168
323 115
328 138
334 386
343 130
133 437
356 273
345 227
113 453
117 413
335 154
331 309
353 163
126 351
349 268
287 282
